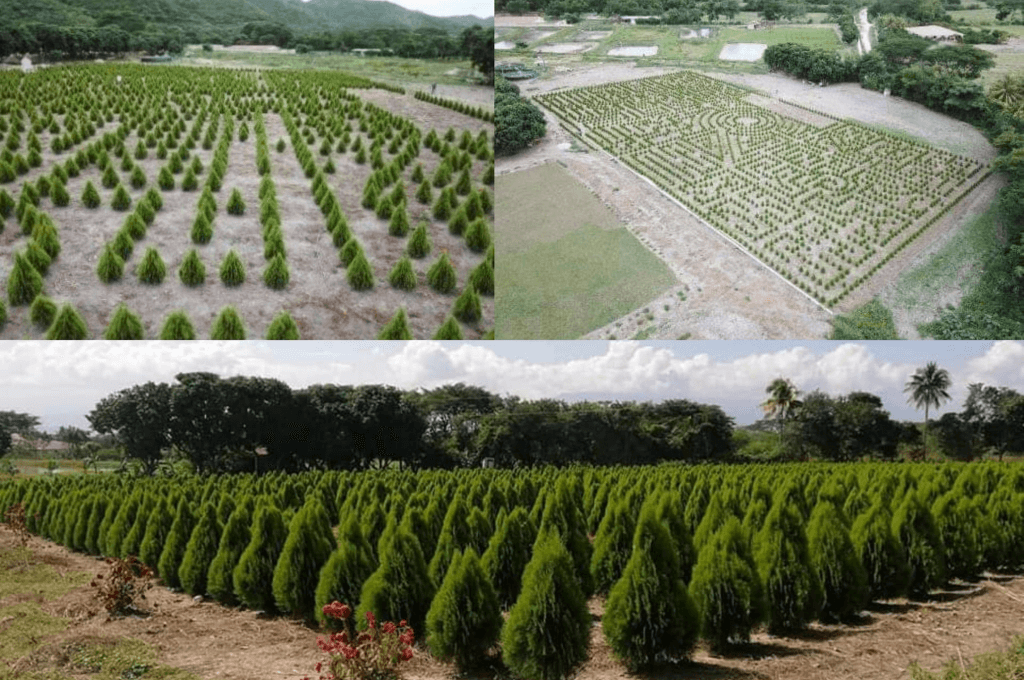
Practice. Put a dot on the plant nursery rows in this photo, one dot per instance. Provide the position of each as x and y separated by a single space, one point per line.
684 553
825 203
139 202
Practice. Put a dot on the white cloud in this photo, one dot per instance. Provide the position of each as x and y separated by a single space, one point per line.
1002 364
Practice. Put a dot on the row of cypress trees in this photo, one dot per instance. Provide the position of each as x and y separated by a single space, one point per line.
683 553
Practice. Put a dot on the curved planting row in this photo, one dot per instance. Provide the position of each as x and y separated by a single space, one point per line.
455 105
684 554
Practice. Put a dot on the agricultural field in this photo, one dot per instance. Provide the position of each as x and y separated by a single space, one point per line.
179 202
853 570
822 201
550 234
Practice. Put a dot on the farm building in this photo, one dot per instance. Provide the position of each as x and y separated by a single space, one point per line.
936 33
26 64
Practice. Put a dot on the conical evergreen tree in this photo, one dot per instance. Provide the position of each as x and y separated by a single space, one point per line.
42 311
228 325
44 233
359 272
478 235
253 576
563 513
613 545
883 557
441 275
234 540
121 200
232 271
305 552
276 274
397 328
547 631
482 278
90 197
123 244
792 591
454 536
344 574
914 527
508 553
467 306
151 269
400 588
177 540
177 327
202 230
110 267
449 330
192 271
133 540
158 526
200 551
68 325
464 620
649 610
24 283
419 242
834 560
959 523
124 325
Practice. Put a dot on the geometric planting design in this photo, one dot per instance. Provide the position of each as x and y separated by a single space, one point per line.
825 203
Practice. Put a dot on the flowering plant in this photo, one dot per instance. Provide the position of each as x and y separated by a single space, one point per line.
372 654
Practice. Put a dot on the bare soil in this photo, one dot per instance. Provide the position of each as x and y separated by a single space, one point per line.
722 293
215 642
318 296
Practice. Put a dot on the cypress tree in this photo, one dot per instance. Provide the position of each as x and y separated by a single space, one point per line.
478 235
459 222
419 243
236 206
124 325
138 178
7 206
834 560
548 629
449 330
151 269
399 224
59 194
68 325
253 576
649 610
464 620
792 591
276 274
228 325
359 273
283 328
403 276
24 283
349 251
123 244
233 542
177 327
177 540
200 551
158 526
883 557
424 194
467 306
305 552
562 512
613 545
133 540
110 267
345 572
914 527
232 271
441 275
121 200
400 588
42 311
192 271
507 554
44 233
397 328
726 588
482 278
202 230
37 257
455 536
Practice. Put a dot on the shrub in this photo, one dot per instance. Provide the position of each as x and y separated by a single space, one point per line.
138 178
449 330
189 181
7 205
419 243
959 524
68 325
442 208
145 212
613 545
349 251
200 551
399 589
459 222
441 275
232 271
649 611
463 185
548 629
359 273
792 591
151 269
154 199
280 145
464 620
158 525
914 527
478 236
192 271
24 283
725 587
123 244
134 227
482 278
305 552
37 257
467 306
124 325
228 325
397 328
399 224
165 180
233 540
253 576
283 328
177 327
121 200
121 587
59 195
345 572
202 231
236 206
834 560
90 197
110 178
424 194
883 557
42 311
403 276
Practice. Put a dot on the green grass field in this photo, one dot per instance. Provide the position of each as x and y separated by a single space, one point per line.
566 265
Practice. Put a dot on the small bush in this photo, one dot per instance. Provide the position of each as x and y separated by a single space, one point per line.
145 212
276 274
359 273
24 283
192 271
124 584
202 230
419 243
152 269
478 235
68 325
464 620
124 325
397 328
467 306
228 325
283 328
155 200
441 275
449 330
123 244
37 257
349 251
111 265
399 225
177 327
90 197
232 271
42 311
59 195
482 278
121 200
236 206
134 227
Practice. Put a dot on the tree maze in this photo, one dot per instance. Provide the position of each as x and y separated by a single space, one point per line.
825 203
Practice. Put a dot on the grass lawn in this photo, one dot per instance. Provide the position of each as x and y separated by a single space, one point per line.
566 265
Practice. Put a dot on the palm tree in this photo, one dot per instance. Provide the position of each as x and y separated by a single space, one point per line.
781 401
1008 91
927 387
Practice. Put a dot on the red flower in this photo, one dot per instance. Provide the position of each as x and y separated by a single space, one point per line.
371 620
350 652
388 627
406 654
337 610
407 637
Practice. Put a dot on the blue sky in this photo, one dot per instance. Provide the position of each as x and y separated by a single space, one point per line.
60 382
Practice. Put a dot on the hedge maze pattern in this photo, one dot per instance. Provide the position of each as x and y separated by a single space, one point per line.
823 205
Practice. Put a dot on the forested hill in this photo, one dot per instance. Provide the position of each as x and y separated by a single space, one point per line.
208 20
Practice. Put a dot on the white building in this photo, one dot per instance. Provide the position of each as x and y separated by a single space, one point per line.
936 33
26 65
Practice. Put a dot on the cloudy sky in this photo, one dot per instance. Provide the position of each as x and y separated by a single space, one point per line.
60 382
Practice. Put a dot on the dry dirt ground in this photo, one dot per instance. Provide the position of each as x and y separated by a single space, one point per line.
318 297
728 294
215 642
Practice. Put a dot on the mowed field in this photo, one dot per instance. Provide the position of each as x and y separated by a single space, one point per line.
567 266
125 120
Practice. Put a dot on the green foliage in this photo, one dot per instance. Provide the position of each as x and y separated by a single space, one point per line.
359 273
192 271
397 328
37 257
254 574
232 271
478 235
403 276
517 121
59 194
158 526
283 328
202 230
613 544
177 540
399 224
467 306
400 588
914 527
42 311
90 196
726 588
121 200
236 206
834 561
464 620
649 611
177 327
883 556
228 325
792 590
449 330
124 325
870 321
154 199
441 275
134 227
233 541
151 269
508 553
959 524
200 551
349 251
419 243
305 552
24 283
547 631
276 274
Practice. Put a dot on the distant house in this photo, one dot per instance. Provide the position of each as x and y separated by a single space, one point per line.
26 64
940 33
370 51
51 446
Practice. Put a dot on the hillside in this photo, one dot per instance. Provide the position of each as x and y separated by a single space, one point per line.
198 18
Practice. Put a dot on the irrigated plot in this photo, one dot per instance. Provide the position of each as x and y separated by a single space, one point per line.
825 205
